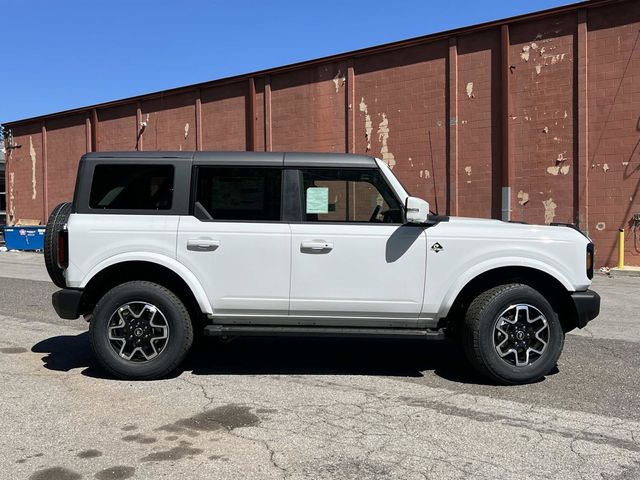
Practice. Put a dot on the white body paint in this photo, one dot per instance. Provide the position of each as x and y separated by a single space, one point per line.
370 274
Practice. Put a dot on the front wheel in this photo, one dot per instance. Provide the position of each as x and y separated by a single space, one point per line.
512 334
140 331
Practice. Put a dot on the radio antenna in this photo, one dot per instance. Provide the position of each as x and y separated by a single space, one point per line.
433 174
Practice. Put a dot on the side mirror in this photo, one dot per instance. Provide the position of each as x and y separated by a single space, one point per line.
416 210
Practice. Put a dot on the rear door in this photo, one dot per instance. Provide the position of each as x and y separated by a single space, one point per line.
236 243
353 262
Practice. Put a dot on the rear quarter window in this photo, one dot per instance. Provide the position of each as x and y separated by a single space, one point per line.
132 187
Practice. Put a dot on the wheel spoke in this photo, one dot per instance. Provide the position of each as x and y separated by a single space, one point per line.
501 344
127 356
508 320
511 350
522 309
539 352
540 339
144 354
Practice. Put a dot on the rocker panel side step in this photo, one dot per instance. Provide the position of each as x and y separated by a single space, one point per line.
297 331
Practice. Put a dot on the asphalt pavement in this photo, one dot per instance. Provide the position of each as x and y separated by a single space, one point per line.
311 408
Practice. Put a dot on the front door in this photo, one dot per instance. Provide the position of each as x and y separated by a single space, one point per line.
353 262
236 244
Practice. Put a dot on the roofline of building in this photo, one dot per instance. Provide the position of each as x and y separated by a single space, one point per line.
572 7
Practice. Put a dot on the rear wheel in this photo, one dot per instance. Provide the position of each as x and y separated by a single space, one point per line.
512 334
140 331
57 220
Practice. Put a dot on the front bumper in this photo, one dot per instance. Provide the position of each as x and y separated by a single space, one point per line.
66 303
587 306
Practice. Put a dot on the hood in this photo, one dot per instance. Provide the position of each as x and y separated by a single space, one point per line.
491 227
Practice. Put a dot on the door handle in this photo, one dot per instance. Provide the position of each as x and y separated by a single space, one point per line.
202 244
317 246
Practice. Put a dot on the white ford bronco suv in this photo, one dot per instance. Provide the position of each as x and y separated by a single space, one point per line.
157 246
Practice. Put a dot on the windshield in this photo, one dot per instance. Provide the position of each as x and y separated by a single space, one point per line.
395 183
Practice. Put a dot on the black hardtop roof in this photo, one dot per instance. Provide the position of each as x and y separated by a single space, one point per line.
291 159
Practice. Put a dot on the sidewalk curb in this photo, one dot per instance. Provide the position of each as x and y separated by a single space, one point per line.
624 273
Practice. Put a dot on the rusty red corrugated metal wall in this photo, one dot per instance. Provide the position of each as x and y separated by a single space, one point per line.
569 123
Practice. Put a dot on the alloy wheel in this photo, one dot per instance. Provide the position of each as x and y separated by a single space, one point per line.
138 331
521 335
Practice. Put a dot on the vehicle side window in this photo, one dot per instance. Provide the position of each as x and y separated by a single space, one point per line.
348 195
132 187
238 193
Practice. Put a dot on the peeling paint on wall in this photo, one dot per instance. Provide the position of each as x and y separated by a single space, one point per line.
543 59
523 197
12 212
549 210
601 226
526 51
605 168
32 154
467 170
559 167
383 138
186 130
553 59
470 90
564 169
368 126
339 80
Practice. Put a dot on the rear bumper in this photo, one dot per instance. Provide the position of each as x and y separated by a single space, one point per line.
587 306
66 303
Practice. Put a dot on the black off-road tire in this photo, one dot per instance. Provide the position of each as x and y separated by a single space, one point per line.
57 220
478 331
178 319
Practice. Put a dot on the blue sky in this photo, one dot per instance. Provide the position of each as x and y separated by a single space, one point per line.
64 54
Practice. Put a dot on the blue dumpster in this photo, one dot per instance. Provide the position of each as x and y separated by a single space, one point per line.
24 238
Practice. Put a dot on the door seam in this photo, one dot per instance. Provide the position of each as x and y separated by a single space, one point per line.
290 268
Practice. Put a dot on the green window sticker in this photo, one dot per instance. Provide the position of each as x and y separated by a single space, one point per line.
318 200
